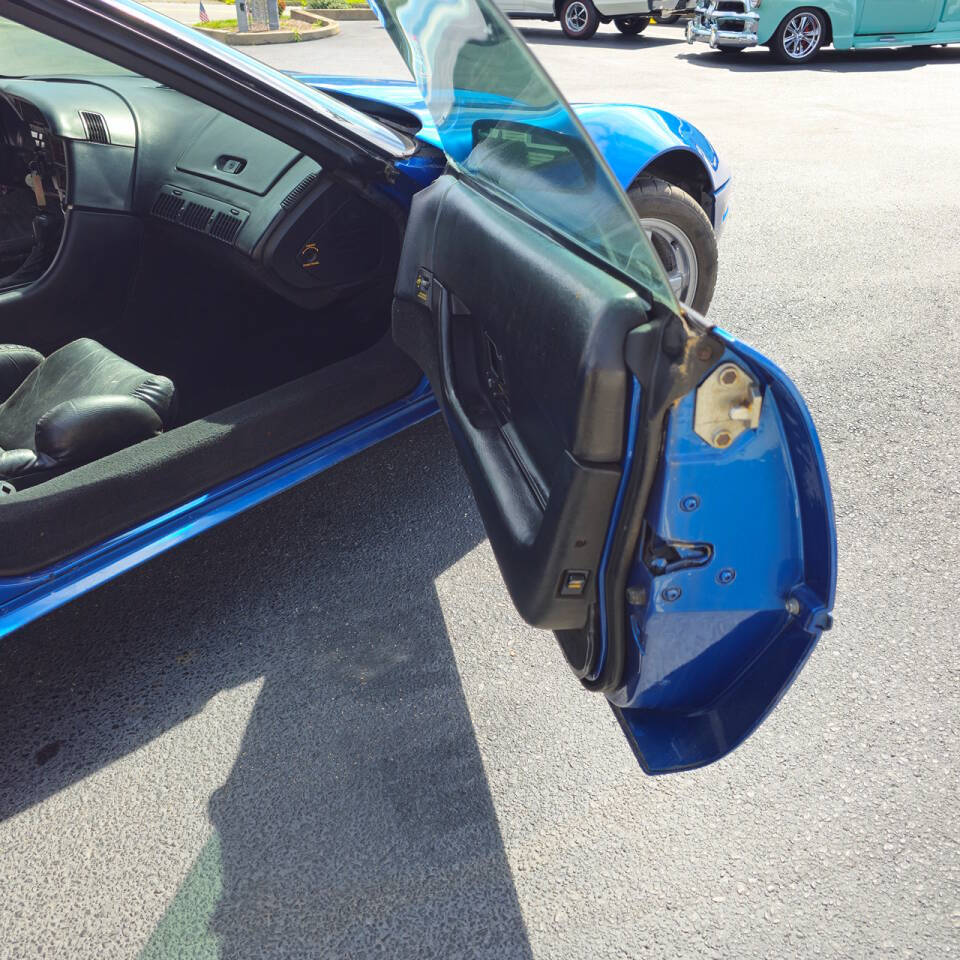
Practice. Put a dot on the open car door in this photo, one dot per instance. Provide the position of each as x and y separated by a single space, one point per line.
654 491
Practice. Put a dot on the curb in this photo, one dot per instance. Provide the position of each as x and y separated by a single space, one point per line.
326 28
360 13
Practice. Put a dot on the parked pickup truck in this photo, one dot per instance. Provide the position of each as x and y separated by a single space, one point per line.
795 33
580 18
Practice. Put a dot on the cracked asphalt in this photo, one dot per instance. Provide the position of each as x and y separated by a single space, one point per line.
321 731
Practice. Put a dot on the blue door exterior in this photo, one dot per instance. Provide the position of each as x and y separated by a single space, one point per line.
735 584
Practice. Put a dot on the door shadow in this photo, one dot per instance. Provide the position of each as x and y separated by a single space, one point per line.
827 61
357 820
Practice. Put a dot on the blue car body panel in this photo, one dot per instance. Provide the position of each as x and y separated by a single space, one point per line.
630 137
716 644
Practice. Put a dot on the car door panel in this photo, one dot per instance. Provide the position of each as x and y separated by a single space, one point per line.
898 16
717 642
708 566
516 6
541 429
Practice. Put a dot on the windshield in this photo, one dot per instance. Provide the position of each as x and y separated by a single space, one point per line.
503 122
24 53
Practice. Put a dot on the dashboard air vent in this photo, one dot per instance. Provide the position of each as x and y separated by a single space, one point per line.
167 206
225 228
196 216
298 191
95 126
198 212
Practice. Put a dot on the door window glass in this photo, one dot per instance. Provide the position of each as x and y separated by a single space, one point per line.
503 122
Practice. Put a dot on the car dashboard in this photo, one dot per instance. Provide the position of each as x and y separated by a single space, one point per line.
128 145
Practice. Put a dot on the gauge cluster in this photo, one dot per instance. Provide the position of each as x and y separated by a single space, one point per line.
27 132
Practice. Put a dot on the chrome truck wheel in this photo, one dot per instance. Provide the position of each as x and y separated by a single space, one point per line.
579 19
799 38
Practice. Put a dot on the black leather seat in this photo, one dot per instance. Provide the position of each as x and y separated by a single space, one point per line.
77 405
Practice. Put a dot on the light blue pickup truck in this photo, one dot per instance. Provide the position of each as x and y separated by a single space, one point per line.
795 33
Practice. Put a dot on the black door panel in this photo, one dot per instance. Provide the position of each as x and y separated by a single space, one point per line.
523 341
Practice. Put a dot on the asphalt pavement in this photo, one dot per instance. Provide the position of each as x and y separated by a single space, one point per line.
321 731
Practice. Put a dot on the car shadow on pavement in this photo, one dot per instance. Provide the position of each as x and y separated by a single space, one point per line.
827 61
547 36
357 820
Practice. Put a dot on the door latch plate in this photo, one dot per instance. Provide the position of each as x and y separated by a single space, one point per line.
728 404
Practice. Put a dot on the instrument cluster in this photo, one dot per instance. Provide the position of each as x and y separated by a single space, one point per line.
27 132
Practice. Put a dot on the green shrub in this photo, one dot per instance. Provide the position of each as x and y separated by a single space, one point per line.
280 3
333 4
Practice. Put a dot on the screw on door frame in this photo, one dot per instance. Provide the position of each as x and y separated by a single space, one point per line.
726 575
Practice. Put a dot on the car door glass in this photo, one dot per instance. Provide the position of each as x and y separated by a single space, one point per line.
503 122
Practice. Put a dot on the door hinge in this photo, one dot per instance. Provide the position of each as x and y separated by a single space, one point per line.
804 604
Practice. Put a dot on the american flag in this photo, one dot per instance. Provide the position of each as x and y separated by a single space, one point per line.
204 16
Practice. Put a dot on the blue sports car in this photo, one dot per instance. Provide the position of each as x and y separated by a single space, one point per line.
217 280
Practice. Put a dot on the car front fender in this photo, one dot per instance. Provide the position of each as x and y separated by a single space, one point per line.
633 138
842 15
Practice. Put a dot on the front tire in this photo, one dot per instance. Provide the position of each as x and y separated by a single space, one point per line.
579 19
799 38
682 236
631 26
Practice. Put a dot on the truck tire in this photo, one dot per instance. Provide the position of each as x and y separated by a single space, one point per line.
579 19
631 26
682 236
800 36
